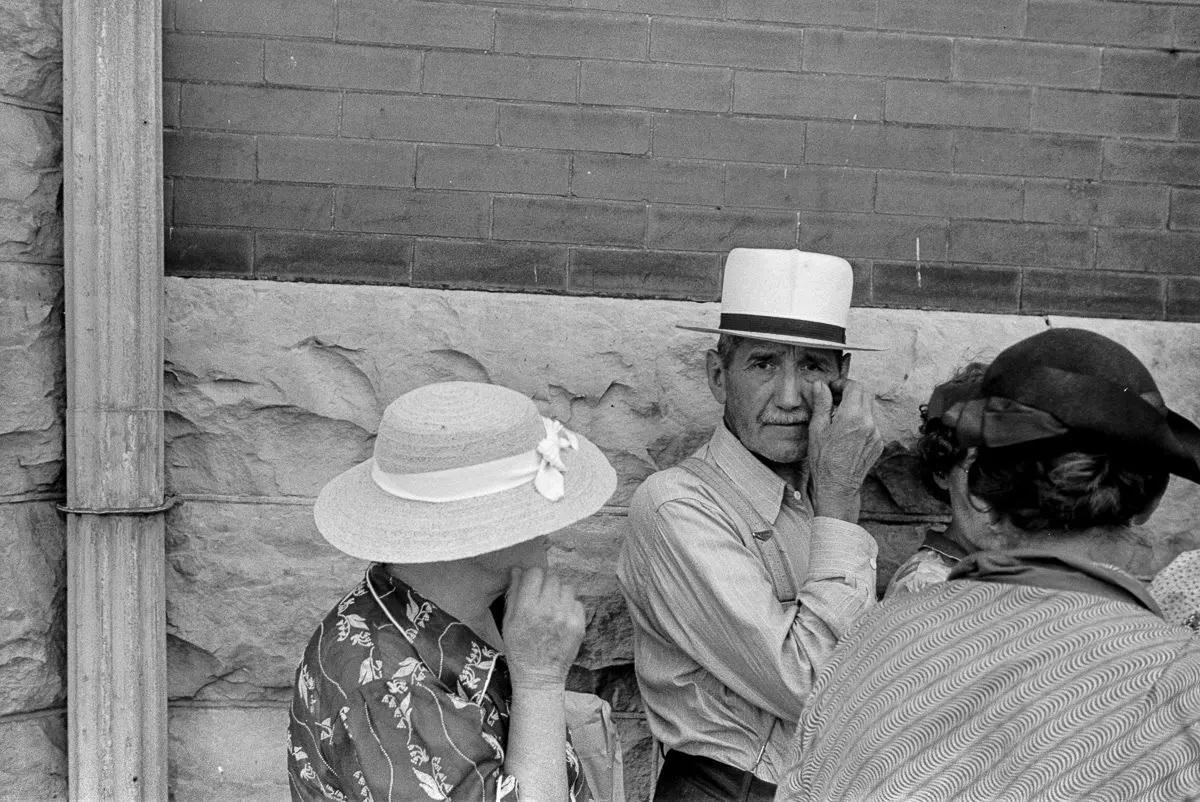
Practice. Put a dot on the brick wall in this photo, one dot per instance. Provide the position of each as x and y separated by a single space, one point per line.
1011 156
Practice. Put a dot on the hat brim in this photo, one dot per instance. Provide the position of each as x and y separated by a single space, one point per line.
360 519
1187 435
808 342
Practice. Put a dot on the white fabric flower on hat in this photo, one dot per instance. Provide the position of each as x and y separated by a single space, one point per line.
549 478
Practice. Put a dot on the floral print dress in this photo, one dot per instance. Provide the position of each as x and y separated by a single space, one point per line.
396 699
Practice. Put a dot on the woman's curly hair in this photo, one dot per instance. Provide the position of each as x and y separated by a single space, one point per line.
1067 483
937 448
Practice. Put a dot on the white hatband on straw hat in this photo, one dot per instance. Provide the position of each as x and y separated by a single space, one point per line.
786 296
461 469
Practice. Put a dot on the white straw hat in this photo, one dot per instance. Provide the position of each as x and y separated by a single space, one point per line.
789 297
461 469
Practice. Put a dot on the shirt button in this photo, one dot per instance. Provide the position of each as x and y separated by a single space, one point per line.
796 495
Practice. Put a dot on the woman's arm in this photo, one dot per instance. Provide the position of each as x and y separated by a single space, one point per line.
543 628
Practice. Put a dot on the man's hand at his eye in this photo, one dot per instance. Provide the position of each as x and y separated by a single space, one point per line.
843 445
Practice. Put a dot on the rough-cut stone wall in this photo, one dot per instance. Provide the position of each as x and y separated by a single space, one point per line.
32 593
274 388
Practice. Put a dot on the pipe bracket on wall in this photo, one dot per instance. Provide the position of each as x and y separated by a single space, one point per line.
167 504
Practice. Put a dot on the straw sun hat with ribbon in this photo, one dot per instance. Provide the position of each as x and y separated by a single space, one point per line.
786 296
461 469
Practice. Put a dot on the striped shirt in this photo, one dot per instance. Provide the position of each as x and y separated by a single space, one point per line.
722 662
988 691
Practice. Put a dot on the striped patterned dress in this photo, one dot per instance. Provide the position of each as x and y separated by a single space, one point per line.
986 691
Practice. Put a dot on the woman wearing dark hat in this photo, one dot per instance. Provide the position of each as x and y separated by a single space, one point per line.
408 689
1042 669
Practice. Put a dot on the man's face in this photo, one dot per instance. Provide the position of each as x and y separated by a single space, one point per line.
767 392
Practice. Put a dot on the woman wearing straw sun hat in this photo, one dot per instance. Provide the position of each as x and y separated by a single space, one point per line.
408 690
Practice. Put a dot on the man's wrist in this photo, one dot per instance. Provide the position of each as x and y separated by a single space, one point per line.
844 507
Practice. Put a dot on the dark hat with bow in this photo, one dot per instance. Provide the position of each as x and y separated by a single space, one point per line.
1074 382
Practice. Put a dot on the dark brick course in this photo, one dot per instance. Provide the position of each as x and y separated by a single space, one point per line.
935 286
655 274
490 265
1102 295
374 258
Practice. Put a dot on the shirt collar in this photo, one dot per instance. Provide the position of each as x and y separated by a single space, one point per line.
761 486
462 661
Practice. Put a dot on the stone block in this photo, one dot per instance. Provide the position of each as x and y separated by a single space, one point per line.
246 586
31 52
586 552
32 608
34 761
274 388
228 753
237 753
639 753
31 227
33 393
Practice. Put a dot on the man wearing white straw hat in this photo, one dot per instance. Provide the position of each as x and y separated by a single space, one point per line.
408 689
744 564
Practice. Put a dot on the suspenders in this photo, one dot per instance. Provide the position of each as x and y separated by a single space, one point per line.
774 557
